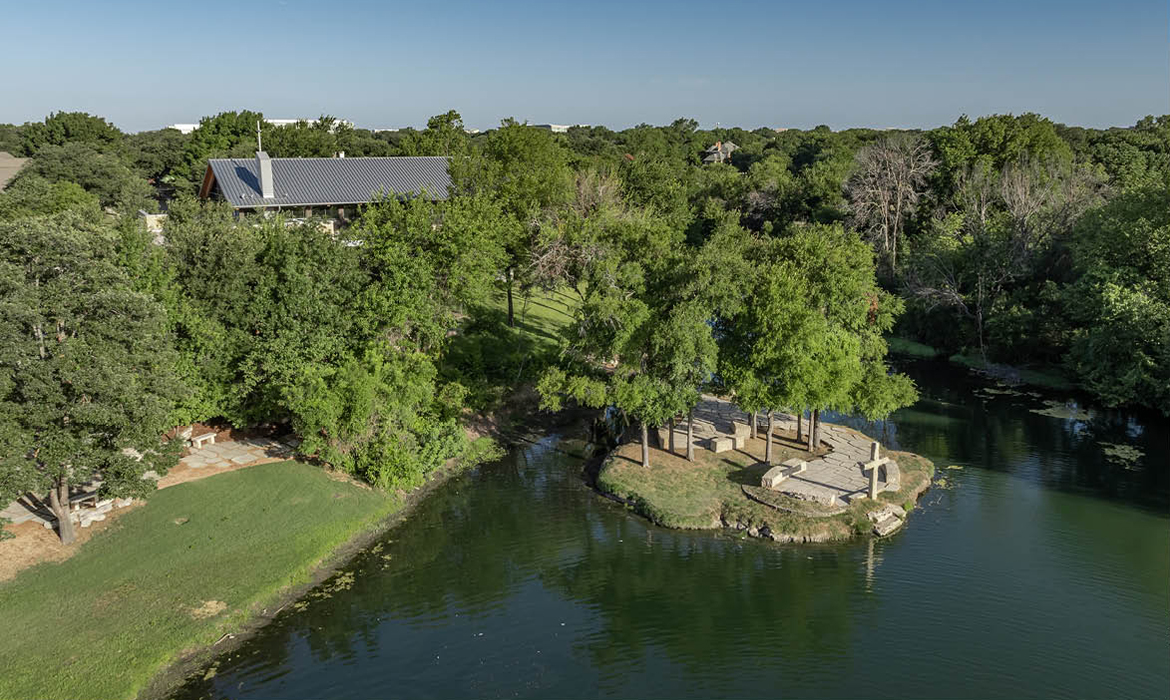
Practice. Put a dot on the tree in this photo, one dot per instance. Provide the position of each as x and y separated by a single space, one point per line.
86 378
642 340
811 335
224 135
61 128
527 171
33 195
1006 222
102 174
1121 300
890 177
156 154
445 136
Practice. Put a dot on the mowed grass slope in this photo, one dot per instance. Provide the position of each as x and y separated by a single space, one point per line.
541 314
171 575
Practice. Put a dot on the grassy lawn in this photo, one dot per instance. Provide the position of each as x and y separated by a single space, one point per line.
690 495
1049 378
541 314
171 575
704 494
911 348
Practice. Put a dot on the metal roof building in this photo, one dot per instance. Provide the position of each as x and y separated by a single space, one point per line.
272 183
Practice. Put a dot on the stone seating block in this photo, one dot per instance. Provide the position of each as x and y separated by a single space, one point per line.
722 444
773 477
740 430
740 441
893 480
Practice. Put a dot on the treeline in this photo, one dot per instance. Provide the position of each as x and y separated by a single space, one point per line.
1011 239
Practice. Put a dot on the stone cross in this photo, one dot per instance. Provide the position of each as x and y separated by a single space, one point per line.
874 465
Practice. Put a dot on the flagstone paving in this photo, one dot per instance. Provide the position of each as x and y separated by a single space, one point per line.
832 480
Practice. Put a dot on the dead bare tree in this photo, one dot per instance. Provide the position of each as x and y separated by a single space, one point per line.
889 179
1005 222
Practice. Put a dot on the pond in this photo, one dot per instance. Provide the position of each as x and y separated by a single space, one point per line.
1039 568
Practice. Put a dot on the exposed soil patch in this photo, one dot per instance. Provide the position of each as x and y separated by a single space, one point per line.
32 543
210 608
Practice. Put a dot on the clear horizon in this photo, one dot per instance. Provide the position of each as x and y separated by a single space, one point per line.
905 64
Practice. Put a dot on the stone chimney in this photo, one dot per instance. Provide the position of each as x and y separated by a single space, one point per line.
267 190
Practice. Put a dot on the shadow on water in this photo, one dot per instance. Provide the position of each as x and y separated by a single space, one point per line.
966 420
515 579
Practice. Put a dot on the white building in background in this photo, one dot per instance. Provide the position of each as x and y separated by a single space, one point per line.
188 128
558 128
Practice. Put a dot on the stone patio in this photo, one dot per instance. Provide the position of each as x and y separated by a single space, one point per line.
237 453
833 480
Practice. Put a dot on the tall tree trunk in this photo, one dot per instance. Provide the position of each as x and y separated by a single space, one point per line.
671 424
511 312
816 430
979 326
768 444
59 502
812 419
690 435
800 425
754 434
645 445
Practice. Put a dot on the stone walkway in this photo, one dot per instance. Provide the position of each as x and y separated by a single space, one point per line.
833 480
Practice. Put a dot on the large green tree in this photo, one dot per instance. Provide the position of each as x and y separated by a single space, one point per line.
1121 300
86 367
526 170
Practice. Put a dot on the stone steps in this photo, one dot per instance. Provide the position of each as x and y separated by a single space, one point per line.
887 525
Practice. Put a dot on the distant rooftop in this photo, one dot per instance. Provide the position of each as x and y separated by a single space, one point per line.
9 167
558 128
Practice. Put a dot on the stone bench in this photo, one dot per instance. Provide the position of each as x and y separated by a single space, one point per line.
199 441
776 475
722 444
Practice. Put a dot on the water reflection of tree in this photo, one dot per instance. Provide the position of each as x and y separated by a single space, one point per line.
954 424
708 602
466 550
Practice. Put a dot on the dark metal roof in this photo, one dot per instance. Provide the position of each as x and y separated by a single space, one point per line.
320 182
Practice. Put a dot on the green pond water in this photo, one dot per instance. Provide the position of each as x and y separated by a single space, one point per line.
1041 569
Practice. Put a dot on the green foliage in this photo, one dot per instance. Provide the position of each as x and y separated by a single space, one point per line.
372 417
277 321
33 195
102 174
1122 299
156 154
61 128
811 333
86 364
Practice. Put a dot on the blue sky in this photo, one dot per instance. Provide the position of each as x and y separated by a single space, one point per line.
844 63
